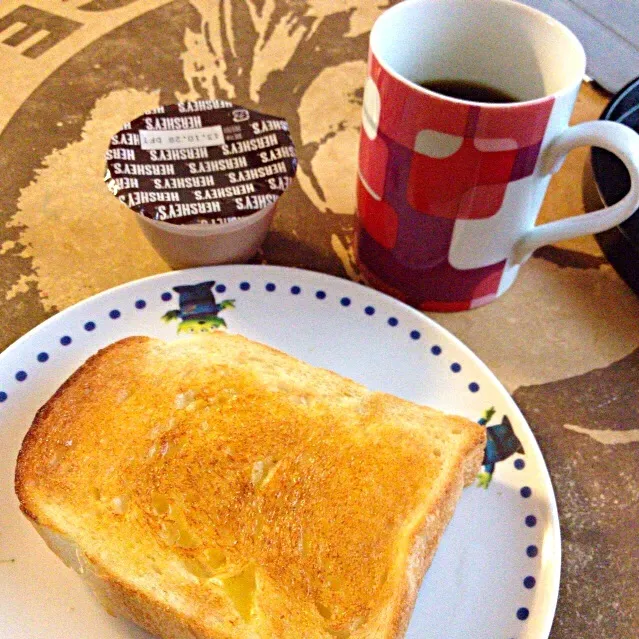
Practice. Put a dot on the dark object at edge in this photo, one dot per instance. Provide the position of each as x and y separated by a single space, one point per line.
621 243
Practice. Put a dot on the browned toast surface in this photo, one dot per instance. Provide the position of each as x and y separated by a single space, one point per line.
215 487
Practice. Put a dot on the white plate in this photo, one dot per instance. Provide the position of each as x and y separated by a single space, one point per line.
496 572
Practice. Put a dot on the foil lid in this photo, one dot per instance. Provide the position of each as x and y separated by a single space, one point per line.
203 162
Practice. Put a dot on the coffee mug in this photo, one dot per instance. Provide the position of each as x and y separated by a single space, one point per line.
449 189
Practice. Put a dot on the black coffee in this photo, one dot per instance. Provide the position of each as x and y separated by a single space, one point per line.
469 91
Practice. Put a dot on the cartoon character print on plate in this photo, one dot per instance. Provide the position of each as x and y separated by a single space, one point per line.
427 165
199 311
501 443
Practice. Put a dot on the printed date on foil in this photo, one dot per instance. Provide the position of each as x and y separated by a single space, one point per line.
184 139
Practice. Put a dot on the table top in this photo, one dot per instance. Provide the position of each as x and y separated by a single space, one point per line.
564 340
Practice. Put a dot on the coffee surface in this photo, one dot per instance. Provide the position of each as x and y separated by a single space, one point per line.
468 91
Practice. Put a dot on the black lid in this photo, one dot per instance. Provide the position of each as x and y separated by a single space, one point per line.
202 162
621 243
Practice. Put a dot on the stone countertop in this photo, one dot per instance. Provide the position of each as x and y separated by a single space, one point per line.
564 340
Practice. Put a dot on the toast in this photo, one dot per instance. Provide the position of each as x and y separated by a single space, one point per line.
213 487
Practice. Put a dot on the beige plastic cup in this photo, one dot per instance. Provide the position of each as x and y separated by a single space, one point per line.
186 245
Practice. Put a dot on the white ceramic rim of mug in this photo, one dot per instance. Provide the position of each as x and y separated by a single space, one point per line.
537 15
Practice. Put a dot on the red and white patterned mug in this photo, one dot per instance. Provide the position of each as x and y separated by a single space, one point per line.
448 190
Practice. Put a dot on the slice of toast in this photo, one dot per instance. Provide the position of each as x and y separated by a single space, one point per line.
213 487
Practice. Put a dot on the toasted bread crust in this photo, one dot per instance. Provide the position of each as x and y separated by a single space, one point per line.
39 424
329 456
425 537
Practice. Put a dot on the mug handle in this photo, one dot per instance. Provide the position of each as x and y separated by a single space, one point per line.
612 136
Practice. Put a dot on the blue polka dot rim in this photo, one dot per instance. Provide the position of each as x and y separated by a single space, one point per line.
522 614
